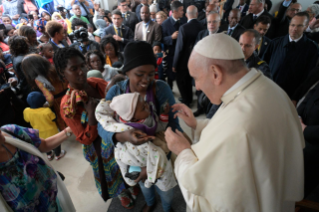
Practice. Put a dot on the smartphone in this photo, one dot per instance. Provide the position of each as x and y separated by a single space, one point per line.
5 86
60 9
30 16
2 27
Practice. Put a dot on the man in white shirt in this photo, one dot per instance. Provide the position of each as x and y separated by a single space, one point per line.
249 156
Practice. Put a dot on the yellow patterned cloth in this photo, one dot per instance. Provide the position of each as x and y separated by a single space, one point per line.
74 97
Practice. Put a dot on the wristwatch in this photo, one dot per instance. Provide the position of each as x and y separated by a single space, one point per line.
68 134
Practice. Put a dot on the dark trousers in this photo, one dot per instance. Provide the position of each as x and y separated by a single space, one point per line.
185 86
311 165
57 151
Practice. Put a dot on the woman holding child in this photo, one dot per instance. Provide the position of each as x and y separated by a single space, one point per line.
139 66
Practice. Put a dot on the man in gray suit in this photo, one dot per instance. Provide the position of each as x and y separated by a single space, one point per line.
147 30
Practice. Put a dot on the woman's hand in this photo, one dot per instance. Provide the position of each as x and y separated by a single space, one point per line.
133 136
143 175
186 114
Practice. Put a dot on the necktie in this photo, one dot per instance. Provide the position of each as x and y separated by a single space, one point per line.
119 31
230 31
255 17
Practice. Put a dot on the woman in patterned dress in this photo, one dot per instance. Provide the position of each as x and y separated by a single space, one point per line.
27 183
78 111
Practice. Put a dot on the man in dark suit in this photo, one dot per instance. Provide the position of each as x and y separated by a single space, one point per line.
147 30
213 24
243 7
228 6
170 29
129 18
280 24
292 57
185 42
249 42
209 8
262 25
122 34
256 9
138 9
233 29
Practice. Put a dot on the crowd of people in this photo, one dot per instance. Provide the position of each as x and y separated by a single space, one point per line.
106 76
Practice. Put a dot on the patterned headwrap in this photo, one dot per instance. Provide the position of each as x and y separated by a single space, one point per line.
74 97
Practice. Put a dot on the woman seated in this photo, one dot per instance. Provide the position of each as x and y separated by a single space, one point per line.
29 181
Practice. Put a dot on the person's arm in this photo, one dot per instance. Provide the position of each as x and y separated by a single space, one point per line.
268 53
48 95
164 94
89 4
282 11
179 48
21 9
69 4
54 141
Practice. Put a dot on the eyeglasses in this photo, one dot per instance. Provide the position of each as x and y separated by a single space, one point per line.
214 22
295 10
298 26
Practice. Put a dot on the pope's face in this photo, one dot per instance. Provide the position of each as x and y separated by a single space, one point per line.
205 79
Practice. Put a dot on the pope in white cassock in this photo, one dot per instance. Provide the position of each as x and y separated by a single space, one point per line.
248 157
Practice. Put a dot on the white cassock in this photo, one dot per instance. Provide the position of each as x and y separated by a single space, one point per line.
249 156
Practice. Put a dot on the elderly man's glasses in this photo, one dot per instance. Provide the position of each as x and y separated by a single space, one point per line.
295 10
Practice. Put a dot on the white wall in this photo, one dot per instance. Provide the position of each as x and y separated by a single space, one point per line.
304 3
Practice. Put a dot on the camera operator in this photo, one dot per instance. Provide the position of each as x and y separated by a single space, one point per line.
81 35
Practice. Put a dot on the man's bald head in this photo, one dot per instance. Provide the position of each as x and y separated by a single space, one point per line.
211 8
76 10
191 12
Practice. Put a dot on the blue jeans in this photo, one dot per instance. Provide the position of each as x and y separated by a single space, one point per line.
149 195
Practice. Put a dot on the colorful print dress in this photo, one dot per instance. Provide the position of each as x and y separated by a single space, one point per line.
26 182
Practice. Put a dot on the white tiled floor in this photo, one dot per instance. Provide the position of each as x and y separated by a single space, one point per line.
79 175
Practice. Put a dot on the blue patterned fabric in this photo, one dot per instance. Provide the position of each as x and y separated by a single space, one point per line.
26 182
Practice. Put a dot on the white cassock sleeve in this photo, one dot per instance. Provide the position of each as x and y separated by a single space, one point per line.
201 124
184 160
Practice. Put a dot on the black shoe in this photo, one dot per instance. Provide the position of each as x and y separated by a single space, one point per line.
198 113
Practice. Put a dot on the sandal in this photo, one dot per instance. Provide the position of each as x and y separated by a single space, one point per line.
62 154
126 200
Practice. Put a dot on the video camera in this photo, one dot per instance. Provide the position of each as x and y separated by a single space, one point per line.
80 34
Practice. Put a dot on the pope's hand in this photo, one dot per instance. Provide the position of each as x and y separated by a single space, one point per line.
186 114
176 141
